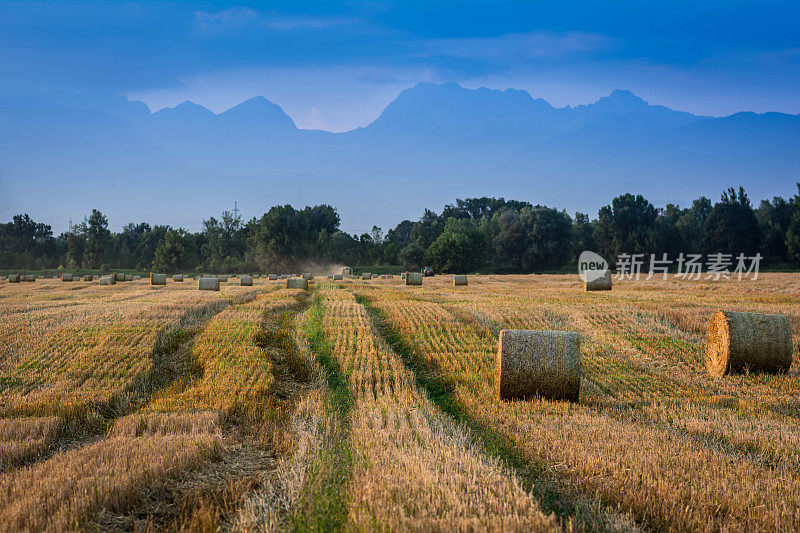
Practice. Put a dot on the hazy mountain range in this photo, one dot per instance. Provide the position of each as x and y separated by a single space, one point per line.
61 155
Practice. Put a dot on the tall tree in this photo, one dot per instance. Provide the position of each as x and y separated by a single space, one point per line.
732 227
98 240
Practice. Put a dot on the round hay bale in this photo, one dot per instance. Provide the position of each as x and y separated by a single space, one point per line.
272 277
413 278
66 277
599 284
366 275
222 279
308 275
13 278
177 277
108 280
738 342
208 284
246 281
158 279
538 363
30 278
131 277
459 279
88 277
297 283
338 277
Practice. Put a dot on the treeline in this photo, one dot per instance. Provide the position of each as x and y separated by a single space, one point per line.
475 234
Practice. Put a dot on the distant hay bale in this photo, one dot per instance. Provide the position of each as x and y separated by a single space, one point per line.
599 284
130 277
538 363
158 279
347 271
177 277
108 280
297 283
459 279
272 277
366 275
738 342
88 277
389 276
338 277
208 284
13 278
383 276
118 276
222 279
66 277
413 278
246 281
308 275
375 276
30 278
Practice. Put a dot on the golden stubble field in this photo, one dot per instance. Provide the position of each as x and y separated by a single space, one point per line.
364 405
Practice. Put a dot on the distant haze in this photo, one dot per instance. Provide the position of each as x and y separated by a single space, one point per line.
432 144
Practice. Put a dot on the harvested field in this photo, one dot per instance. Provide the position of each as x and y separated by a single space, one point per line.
373 406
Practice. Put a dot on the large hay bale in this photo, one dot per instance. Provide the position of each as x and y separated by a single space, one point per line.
366 275
338 277
108 280
308 275
739 342
88 277
177 277
13 278
538 363
158 279
66 277
413 278
208 284
297 283
272 277
459 279
599 284
30 278
246 281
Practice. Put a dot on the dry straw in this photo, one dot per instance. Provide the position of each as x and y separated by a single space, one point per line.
208 284
738 342
158 279
413 278
460 279
297 283
599 284
246 281
538 363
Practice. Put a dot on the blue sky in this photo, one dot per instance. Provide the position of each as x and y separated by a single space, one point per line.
335 65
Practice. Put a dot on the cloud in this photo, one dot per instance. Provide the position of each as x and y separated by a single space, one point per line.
239 17
518 46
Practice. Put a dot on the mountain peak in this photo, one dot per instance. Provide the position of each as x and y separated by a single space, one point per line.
621 101
259 110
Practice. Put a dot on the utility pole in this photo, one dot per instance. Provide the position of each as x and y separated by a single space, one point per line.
236 210
70 225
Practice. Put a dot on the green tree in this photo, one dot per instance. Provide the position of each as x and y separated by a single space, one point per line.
628 225
793 232
732 227
99 243
412 256
774 219
176 253
460 248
